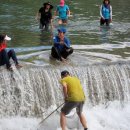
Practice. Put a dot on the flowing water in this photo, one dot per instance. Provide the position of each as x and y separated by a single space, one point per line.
17 19
100 61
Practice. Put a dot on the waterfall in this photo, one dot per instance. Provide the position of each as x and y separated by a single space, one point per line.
34 90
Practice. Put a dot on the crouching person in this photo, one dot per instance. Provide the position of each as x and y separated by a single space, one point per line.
61 48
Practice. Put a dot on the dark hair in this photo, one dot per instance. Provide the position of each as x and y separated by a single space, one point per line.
106 0
64 73
2 37
48 3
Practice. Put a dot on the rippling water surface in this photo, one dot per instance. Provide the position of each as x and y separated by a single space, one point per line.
17 19
93 45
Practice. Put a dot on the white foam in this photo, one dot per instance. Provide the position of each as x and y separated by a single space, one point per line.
112 116
18 123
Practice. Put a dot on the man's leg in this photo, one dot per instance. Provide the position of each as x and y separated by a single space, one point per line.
12 55
64 22
1 59
62 121
4 59
107 22
102 21
83 120
47 26
67 52
66 109
55 53
60 22
70 50
40 26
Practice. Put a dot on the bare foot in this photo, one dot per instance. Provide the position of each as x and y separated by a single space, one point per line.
10 68
63 59
18 66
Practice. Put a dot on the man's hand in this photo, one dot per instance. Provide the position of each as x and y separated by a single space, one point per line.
67 50
63 59
103 18
61 36
37 18
61 42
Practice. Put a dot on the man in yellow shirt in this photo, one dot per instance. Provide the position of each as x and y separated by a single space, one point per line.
74 98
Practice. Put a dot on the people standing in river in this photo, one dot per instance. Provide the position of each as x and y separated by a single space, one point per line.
106 13
61 48
63 12
74 98
45 16
6 54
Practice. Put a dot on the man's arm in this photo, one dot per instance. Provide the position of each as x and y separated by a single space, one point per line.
67 42
38 16
55 12
68 12
59 41
56 41
111 13
65 90
101 12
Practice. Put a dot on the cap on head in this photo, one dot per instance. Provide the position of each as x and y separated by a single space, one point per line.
4 37
48 3
7 38
64 73
62 2
63 30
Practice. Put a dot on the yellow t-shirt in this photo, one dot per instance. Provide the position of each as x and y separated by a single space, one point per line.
74 89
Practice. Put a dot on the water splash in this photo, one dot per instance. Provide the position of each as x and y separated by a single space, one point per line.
32 91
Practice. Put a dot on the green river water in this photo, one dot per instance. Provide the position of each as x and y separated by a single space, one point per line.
17 19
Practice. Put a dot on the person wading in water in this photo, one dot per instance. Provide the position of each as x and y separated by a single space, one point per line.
106 13
63 12
45 16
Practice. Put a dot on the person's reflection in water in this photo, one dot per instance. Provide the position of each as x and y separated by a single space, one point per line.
45 38
105 34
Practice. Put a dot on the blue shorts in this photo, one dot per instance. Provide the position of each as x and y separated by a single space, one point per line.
63 20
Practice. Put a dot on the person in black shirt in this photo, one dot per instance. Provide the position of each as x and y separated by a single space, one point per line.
45 16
